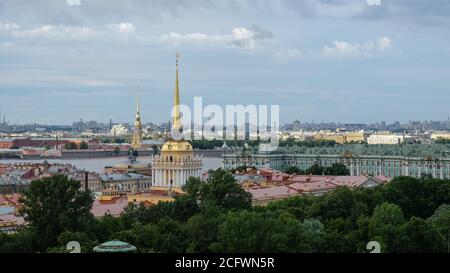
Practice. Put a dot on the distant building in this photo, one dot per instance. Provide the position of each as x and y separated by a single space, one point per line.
267 185
296 125
357 137
440 135
126 182
15 177
6 143
373 164
119 130
375 139
130 166
338 138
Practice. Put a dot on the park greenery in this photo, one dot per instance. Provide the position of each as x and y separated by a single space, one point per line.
405 215
73 146
443 141
316 169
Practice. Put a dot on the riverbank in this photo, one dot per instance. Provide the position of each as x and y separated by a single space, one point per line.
98 164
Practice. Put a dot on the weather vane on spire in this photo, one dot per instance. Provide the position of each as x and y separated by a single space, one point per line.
177 56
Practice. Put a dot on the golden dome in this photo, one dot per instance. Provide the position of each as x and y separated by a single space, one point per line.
177 146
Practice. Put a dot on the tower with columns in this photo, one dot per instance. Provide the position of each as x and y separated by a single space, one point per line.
177 160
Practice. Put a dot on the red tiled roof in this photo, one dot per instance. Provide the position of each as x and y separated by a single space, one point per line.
100 209
11 217
273 192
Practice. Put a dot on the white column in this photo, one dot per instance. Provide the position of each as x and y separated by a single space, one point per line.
159 174
164 178
174 177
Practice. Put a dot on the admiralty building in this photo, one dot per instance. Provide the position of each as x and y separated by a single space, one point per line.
401 160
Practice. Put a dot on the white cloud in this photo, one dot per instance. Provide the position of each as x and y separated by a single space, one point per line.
100 83
7 44
54 31
122 27
246 38
358 50
8 26
287 55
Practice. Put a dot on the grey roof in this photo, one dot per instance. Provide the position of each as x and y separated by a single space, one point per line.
123 176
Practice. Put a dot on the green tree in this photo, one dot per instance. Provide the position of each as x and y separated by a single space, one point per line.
337 169
20 242
252 232
53 205
417 197
417 236
155 149
315 169
171 236
336 204
116 150
70 146
385 224
313 235
86 243
440 221
293 170
202 229
220 189
84 145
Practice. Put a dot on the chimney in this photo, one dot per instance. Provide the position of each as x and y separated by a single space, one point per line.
86 180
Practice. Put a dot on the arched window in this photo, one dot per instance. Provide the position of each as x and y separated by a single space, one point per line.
171 158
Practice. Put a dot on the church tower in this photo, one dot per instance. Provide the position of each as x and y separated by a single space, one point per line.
177 160
136 142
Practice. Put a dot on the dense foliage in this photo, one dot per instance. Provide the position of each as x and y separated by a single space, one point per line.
405 215
316 169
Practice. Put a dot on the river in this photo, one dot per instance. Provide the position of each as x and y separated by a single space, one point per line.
98 164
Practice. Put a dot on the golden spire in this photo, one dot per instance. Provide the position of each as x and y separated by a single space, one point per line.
137 132
176 111
138 112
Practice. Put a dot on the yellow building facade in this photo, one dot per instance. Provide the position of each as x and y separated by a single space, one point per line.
177 160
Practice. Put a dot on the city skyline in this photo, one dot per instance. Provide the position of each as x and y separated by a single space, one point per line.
109 121
343 61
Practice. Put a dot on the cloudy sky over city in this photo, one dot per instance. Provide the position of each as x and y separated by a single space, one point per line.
332 60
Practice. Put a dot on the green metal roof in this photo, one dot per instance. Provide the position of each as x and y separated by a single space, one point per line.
115 246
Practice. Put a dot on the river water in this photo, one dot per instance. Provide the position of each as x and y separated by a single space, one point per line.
98 164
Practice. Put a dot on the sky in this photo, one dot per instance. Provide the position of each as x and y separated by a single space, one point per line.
353 61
